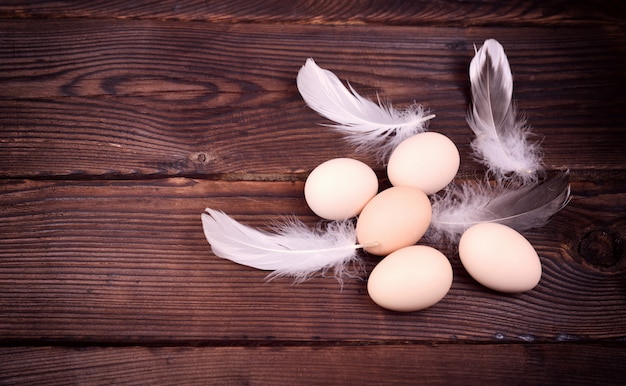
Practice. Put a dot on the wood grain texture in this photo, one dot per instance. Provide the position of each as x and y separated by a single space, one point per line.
121 120
126 261
572 364
466 13
135 98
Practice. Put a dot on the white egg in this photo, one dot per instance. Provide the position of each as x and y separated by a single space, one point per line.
410 279
339 188
500 258
427 161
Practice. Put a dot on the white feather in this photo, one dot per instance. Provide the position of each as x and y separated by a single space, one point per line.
294 250
521 208
502 139
367 125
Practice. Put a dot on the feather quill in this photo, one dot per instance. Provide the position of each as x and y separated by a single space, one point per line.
521 208
294 250
365 124
502 139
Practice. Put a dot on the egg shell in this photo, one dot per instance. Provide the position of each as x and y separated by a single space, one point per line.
427 161
396 217
410 279
499 258
339 188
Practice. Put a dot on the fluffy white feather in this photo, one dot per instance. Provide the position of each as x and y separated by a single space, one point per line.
502 139
521 208
294 250
367 125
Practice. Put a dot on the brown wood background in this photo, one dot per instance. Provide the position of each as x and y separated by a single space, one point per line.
120 121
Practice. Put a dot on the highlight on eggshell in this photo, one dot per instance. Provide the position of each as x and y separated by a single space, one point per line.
339 188
499 258
410 279
428 161
396 217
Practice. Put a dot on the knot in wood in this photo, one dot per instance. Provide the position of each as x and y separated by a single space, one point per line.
601 247
202 157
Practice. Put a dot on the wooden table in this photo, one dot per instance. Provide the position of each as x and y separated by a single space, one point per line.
121 121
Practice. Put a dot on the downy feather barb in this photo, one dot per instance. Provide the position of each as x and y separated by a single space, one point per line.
367 125
521 208
294 250
502 139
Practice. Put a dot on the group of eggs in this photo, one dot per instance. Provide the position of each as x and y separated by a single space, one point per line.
412 277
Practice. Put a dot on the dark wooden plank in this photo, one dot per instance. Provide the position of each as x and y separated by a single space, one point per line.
451 364
482 12
136 98
126 262
102 254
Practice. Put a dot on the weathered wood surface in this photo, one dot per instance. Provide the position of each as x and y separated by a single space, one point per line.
467 13
127 262
143 98
121 121
404 364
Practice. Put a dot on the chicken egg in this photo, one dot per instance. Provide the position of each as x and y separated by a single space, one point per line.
499 258
427 161
339 188
410 279
396 217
